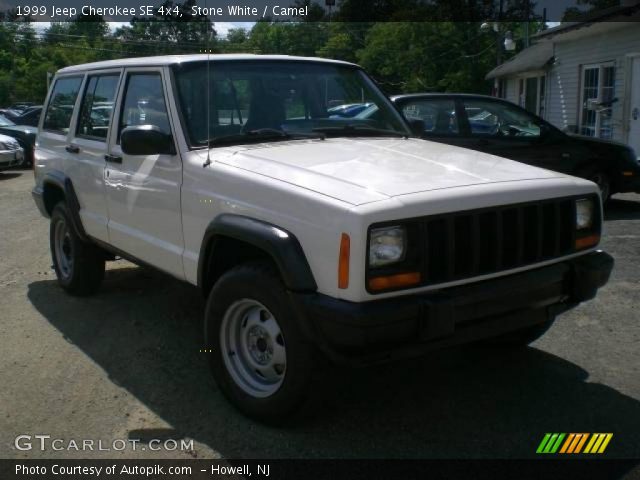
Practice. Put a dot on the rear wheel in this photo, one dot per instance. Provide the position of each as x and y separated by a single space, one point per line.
79 266
260 359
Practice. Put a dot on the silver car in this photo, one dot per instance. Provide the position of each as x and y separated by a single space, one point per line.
11 153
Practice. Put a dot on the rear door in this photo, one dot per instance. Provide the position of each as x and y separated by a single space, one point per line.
88 145
143 191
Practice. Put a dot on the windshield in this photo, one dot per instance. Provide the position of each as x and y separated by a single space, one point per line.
274 100
5 122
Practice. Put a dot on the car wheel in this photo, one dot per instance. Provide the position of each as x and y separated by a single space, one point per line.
604 184
260 359
79 265
523 337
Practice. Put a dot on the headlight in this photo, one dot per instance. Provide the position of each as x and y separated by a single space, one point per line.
387 245
584 213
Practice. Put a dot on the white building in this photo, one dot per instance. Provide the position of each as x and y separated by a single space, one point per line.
583 77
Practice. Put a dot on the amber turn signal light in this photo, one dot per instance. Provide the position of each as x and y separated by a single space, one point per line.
586 242
343 262
395 281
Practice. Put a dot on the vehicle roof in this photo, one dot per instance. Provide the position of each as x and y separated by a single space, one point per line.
163 60
435 95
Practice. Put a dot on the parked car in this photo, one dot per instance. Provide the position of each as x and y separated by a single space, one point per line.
349 110
24 134
11 153
310 235
21 106
29 116
495 126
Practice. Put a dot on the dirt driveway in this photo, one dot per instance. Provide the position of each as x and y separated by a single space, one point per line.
125 364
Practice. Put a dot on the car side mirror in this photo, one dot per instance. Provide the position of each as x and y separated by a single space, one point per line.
417 126
146 140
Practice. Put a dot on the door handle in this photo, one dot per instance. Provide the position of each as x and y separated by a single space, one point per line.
113 158
72 149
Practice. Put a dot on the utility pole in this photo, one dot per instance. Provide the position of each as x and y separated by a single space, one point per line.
330 3
499 36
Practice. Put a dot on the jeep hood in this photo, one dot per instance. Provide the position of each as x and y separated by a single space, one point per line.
363 170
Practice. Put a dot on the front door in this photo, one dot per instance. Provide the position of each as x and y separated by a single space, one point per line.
634 106
143 191
506 130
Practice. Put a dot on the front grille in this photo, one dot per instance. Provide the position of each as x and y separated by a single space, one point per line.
475 243
460 245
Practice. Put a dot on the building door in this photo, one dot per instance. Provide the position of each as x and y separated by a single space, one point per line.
634 106
598 84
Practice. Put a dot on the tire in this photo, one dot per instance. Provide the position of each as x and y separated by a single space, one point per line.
523 337
79 265
260 359
604 184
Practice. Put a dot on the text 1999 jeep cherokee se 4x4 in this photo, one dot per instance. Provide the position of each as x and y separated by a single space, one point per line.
308 232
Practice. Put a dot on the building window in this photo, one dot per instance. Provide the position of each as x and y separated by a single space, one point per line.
597 98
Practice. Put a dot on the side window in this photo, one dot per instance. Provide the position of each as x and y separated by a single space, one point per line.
497 119
144 102
97 106
230 102
60 108
438 115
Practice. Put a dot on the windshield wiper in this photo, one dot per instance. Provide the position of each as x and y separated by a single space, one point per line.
262 134
359 131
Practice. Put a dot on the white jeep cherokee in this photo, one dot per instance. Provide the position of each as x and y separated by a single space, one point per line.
309 231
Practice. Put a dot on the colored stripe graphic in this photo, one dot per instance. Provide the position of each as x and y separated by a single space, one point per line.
573 443
581 442
550 443
598 443
543 443
567 443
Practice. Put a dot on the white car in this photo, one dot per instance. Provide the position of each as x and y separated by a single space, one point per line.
11 153
310 236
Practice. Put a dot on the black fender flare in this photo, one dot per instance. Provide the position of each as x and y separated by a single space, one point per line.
282 246
61 181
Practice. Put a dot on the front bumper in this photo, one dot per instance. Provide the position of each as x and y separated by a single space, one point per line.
11 158
382 330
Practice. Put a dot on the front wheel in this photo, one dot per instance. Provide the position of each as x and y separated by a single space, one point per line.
260 359
604 184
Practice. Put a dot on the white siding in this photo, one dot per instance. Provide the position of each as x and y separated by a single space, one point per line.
512 90
563 84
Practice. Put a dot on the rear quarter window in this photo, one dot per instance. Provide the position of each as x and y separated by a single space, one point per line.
60 109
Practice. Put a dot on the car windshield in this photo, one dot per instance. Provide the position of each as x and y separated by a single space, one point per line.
5 122
252 101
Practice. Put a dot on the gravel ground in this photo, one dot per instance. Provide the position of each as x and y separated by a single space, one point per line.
125 364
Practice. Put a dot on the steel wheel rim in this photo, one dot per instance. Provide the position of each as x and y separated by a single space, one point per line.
253 348
64 249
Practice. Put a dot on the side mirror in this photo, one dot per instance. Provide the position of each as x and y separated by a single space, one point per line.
146 140
417 126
